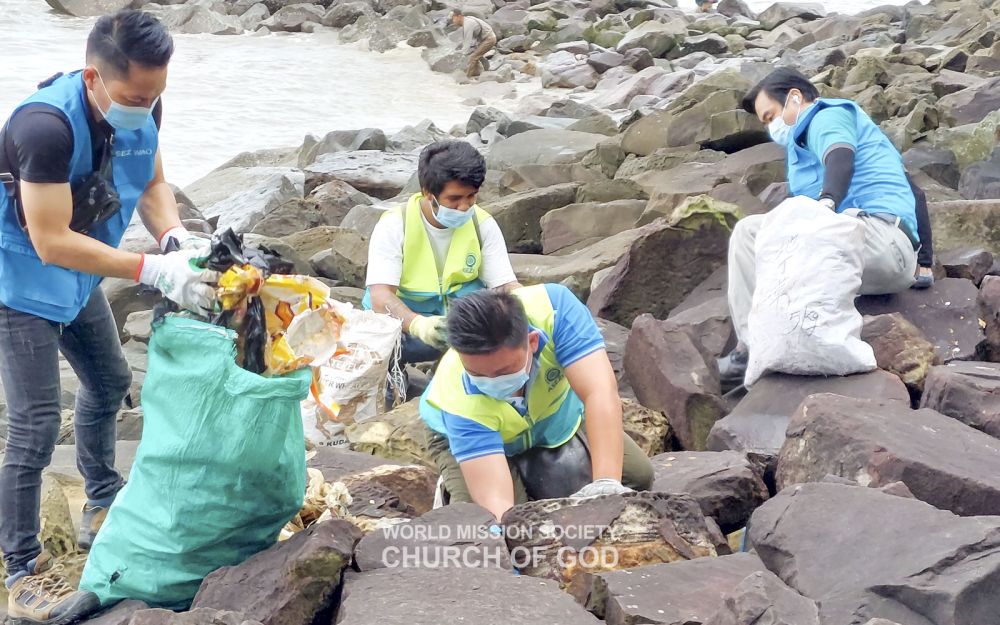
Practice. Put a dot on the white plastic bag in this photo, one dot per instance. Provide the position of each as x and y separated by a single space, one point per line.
351 386
808 272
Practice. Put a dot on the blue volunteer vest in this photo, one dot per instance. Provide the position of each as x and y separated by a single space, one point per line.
48 291
879 184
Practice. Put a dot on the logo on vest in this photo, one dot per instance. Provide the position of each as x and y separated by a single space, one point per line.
135 152
470 263
553 377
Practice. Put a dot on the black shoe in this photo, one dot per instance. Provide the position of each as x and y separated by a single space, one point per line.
733 369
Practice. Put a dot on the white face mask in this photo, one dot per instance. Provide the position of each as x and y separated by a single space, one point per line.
781 133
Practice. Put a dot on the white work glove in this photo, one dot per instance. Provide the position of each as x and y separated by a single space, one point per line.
603 486
186 241
180 280
430 330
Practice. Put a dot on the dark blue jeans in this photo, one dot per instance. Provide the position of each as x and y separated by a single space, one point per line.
29 367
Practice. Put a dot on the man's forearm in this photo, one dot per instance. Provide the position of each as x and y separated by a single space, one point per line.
158 209
490 483
604 435
385 301
85 254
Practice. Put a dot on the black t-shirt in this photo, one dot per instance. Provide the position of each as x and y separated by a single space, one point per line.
38 142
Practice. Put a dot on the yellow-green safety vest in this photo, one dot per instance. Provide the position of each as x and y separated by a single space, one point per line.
554 411
423 286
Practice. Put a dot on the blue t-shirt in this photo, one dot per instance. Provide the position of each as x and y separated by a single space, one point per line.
574 334
879 183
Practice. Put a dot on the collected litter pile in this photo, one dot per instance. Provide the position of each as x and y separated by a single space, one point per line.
221 465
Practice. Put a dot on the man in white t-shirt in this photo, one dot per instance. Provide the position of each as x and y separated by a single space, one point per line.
438 247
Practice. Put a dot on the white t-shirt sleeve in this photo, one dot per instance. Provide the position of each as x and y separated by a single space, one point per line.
496 270
385 252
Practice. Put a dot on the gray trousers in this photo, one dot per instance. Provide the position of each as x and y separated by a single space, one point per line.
890 264
29 367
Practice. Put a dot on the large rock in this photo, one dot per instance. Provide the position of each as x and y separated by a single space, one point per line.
205 21
563 69
576 269
574 536
288 584
900 348
612 93
989 312
869 568
964 223
681 593
657 37
707 113
127 297
346 13
781 12
399 434
419 596
241 196
981 181
89 8
519 215
939 164
615 339
763 598
577 226
876 442
967 263
379 174
758 423
201 616
710 323
967 391
291 18
340 141
337 462
346 260
670 372
665 263
327 205
970 105
946 313
727 486
542 147
456 535
649 428
389 494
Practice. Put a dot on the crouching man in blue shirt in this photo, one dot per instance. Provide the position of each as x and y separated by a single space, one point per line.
525 405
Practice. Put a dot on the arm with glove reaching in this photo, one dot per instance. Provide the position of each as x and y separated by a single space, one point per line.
48 210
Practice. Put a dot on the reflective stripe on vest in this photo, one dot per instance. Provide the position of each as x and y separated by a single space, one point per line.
48 291
554 411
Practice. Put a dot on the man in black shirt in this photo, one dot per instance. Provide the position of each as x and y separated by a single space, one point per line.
77 158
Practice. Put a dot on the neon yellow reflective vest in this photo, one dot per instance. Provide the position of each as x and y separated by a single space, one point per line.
423 286
554 411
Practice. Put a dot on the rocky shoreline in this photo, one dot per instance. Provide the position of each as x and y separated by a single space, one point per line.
868 497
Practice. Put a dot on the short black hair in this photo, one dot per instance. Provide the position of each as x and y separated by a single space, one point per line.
129 37
445 161
777 85
485 321
455 12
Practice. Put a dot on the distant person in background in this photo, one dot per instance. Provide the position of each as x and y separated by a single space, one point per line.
838 156
706 6
439 247
477 37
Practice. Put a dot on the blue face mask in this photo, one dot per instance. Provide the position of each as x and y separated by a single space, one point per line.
122 117
503 386
450 217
